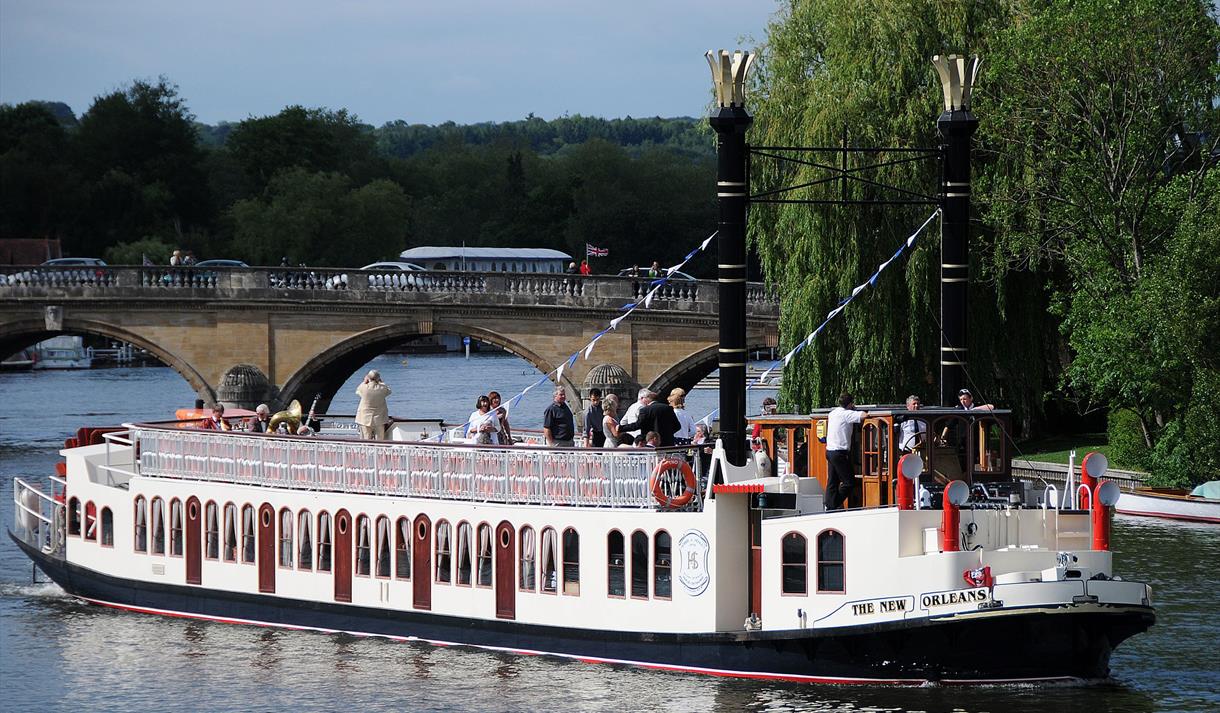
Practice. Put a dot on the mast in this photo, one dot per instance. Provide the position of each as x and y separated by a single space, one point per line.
730 122
956 125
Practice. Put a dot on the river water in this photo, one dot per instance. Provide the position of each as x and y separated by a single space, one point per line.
58 654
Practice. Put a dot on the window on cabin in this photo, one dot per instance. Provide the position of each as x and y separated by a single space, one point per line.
107 527
175 527
831 562
662 583
794 554
571 561
383 546
526 559
989 454
800 451
483 565
304 540
363 546
90 521
616 565
230 543
74 516
324 547
402 549
549 554
285 538
443 555
158 526
140 522
639 565
464 565
212 529
247 533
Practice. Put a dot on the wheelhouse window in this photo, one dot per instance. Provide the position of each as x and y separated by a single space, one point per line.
639 565
831 562
90 521
140 524
483 562
571 562
324 544
285 538
158 526
444 560
794 553
230 539
304 540
662 582
74 516
211 517
247 533
107 528
616 565
363 546
527 564
464 565
175 527
549 572
402 549
383 546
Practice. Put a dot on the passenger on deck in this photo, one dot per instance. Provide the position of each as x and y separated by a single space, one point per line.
840 480
652 440
654 416
595 433
506 432
483 426
913 432
633 414
686 424
216 421
262 419
610 421
304 430
558 426
373 414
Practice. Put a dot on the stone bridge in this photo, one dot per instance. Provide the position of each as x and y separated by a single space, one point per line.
299 332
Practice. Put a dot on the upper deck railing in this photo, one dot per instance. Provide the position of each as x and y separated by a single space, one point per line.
503 288
520 474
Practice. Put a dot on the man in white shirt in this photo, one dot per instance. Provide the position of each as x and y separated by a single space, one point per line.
644 398
913 431
839 479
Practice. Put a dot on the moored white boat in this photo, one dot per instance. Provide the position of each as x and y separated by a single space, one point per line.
62 352
1170 503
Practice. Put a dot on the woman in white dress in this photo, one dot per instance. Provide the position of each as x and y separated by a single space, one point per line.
610 420
483 426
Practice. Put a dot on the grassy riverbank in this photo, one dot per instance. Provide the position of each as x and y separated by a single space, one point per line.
1055 449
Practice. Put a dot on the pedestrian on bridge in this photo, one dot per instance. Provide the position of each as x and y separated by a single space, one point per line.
373 415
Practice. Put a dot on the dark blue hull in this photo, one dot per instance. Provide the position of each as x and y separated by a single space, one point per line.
1013 647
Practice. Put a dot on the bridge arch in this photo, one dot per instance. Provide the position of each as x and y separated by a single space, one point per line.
26 333
695 367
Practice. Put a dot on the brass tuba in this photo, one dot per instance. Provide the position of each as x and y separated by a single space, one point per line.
291 416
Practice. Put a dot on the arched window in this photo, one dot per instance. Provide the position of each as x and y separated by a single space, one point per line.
464 564
285 537
140 523
107 528
74 516
383 546
571 562
795 564
443 559
483 564
247 533
324 541
639 565
550 555
662 582
616 565
175 527
526 558
230 544
304 540
90 521
402 549
211 518
831 562
158 526
364 546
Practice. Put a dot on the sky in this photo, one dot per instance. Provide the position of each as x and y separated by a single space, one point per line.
421 61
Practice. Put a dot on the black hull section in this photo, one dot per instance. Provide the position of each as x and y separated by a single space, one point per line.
1037 645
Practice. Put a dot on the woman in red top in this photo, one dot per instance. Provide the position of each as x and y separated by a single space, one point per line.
584 268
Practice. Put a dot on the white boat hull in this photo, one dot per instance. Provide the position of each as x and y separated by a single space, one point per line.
1174 506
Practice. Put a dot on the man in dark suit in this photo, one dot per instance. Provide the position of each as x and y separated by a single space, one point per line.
655 416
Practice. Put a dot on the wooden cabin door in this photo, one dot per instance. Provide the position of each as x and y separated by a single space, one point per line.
421 564
266 548
506 584
875 462
343 556
194 550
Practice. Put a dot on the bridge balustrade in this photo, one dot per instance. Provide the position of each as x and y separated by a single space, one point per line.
521 475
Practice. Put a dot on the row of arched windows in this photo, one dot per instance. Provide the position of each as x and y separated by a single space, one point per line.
831 563
91 521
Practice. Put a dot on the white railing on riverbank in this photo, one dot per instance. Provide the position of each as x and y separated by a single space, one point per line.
526 475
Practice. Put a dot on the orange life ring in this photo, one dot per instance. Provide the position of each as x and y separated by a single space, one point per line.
688 477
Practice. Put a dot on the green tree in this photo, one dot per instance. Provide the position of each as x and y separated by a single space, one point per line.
39 185
312 139
135 252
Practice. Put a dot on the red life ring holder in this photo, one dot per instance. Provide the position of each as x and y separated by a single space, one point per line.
688 477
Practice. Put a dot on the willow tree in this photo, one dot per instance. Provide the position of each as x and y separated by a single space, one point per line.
858 69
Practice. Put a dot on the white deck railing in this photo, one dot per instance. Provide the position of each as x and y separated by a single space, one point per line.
519 474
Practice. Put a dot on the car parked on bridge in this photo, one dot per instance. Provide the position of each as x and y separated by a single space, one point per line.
59 274
220 263
392 266
643 272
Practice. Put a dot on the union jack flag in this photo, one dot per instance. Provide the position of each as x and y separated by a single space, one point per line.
594 251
